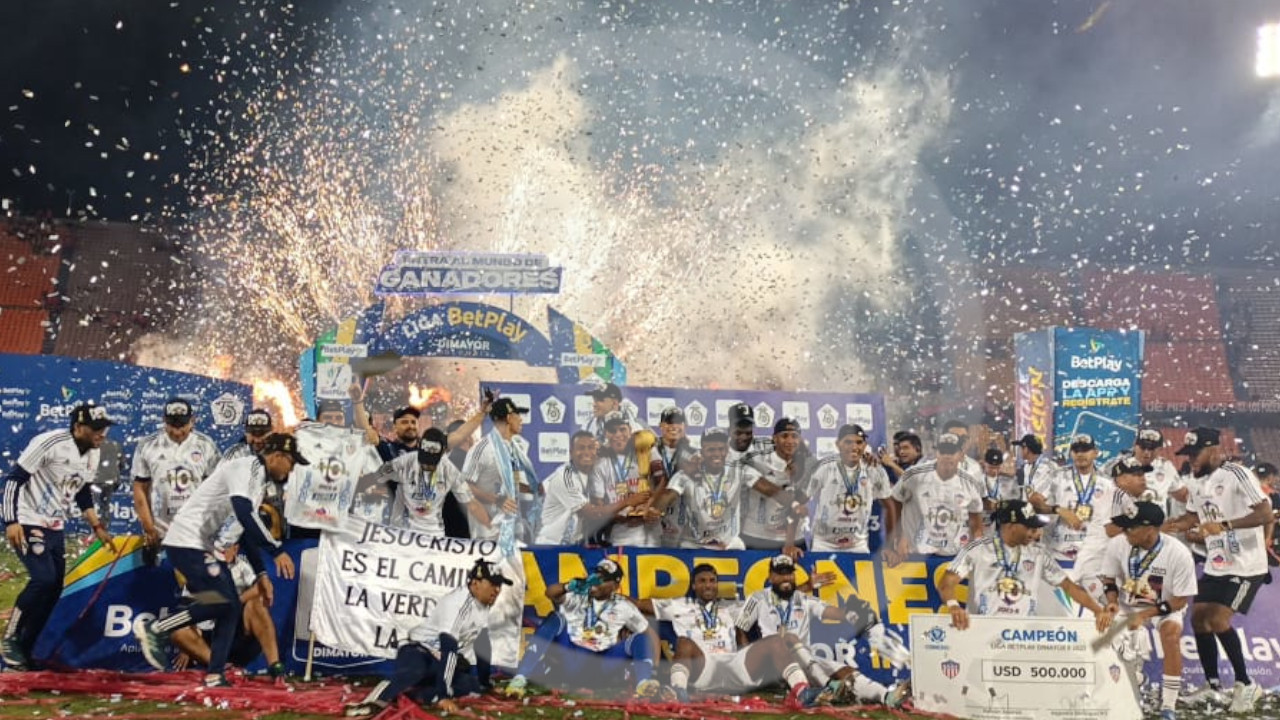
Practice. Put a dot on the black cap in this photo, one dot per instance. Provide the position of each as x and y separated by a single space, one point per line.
613 420
851 430
949 443
1264 470
993 456
904 434
432 447
609 569
177 411
1083 443
1017 512
1149 439
1129 466
257 422
608 391
741 414
285 443
503 407
782 564
715 434
1030 442
485 570
1141 514
1199 439
407 410
91 415
325 406
786 424
673 415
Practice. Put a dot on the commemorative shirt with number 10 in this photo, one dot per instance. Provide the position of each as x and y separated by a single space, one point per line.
711 626
595 624
175 470
1004 580
321 494
844 496
775 616
419 493
935 512
58 471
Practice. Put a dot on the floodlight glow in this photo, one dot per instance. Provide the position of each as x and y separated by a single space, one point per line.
1268 65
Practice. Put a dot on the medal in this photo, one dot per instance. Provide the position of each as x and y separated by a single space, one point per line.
852 497
709 634
1084 512
717 510
851 504
1084 494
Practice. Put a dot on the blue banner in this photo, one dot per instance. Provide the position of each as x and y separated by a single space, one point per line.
1098 387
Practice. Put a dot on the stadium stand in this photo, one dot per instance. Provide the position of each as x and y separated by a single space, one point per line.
1018 300
29 281
1168 306
22 330
1190 373
1252 315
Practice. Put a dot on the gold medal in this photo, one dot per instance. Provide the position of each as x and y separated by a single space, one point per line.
1084 512
708 634
851 503
717 510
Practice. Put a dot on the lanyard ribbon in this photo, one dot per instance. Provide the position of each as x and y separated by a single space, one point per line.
1139 568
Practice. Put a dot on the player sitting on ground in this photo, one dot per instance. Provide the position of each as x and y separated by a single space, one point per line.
593 629
780 610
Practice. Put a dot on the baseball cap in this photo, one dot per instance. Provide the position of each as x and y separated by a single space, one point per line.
715 435
91 415
949 443
1129 466
1083 443
503 407
786 424
1199 439
406 410
1017 512
1141 514
485 570
782 564
741 414
285 443
257 422
177 411
1149 439
851 430
673 415
432 446
609 569
613 420
993 456
1264 471
608 391
325 406
1030 442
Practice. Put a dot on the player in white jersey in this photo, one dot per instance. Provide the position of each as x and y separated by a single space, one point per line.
499 473
780 609
1035 464
606 401
1070 497
707 651
593 632
1228 511
968 465
1150 578
1127 486
233 490
843 490
433 667
742 434
712 494
941 508
168 466
419 481
1163 481
771 519
1007 569
616 482
671 454
568 517
257 426
52 473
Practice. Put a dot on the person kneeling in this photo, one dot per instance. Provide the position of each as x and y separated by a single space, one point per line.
433 667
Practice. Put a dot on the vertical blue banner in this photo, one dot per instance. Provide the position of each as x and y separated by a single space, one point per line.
1098 387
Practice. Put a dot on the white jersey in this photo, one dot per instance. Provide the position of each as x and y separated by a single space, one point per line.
713 504
935 512
481 469
58 473
174 469
419 495
613 479
758 446
675 519
1229 493
842 498
1091 496
595 425
325 490
566 494
762 516
198 524
1147 579
457 614
1005 580
1162 481
709 625
1037 475
775 616
239 450
595 624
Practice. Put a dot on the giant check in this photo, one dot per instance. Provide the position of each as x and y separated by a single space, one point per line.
1017 668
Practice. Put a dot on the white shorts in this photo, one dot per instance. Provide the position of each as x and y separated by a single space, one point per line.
725 673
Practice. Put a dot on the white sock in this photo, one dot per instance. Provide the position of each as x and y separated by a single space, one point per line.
867 690
1170 686
820 677
794 675
679 676
12 628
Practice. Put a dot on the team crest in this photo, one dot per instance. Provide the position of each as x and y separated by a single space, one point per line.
1114 672
951 669
935 635
197 458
